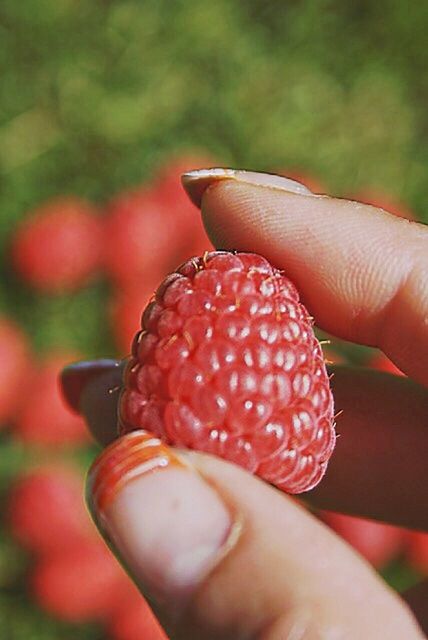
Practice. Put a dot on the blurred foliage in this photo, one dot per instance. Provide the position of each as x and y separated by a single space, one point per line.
96 94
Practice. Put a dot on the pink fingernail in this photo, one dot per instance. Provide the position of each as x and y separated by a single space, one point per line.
197 182
168 525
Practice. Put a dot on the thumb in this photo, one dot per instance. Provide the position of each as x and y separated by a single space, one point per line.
220 554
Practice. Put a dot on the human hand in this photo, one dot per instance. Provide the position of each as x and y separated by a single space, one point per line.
222 554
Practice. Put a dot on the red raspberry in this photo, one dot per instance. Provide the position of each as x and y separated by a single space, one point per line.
78 585
379 543
228 363
15 365
59 247
44 417
126 306
132 619
167 186
46 510
139 232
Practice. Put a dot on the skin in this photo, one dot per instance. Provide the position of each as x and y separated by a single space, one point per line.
363 274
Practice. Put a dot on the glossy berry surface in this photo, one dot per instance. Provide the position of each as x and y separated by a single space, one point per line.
228 363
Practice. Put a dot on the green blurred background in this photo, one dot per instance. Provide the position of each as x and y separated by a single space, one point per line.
95 95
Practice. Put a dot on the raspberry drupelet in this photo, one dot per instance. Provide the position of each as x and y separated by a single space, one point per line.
228 363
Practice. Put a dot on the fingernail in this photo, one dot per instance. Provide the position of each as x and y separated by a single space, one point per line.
168 525
197 182
75 378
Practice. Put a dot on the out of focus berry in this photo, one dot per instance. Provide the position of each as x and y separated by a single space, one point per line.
58 247
79 585
44 418
15 367
379 543
46 510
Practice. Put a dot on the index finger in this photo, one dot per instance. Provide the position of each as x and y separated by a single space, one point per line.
363 273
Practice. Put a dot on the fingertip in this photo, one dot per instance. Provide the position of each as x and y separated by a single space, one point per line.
99 401
76 376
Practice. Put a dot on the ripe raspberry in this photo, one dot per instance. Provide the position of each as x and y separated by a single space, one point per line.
46 511
44 417
228 363
379 543
125 309
15 365
59 247
132 619
139 232
78 585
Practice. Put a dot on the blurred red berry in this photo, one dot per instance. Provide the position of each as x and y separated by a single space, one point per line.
417 550
149 230
44 418
167 183
140 235
132 618
126 307
46 510
77 585
381 362
58 248
135 622
383 201
15 367
377 542
169 191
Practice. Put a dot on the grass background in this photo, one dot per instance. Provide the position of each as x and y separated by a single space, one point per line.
96 94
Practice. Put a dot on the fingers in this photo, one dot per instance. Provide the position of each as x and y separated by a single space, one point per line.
378 469
363 273
417 599
222 555
92 389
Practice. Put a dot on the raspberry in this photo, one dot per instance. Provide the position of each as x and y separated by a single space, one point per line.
46 510
126 306
59 247
132 619
228 363
149 229
15 365
80 585
138 233
44 418
379 543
